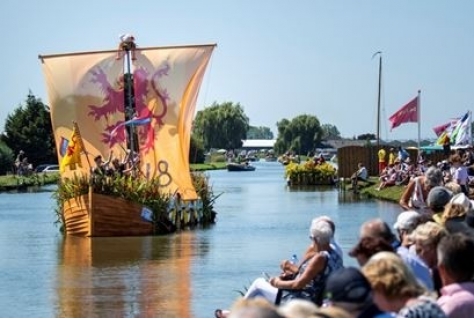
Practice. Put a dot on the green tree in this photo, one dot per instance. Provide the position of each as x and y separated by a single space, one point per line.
300 135
366 136
259 133
196 150
29 129
330 132
222 125
6 158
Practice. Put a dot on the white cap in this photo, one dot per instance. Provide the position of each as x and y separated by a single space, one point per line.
406 220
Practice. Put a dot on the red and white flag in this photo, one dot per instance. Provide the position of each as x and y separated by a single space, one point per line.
407 114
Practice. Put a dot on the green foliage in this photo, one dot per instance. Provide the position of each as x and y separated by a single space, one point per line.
222 126
259 133
300 135
330 132
196 150
6 158
29 129
366 136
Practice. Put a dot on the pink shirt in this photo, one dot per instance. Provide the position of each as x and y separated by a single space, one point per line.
457 300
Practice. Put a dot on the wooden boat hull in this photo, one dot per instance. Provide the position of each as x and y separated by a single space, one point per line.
96 215
234 167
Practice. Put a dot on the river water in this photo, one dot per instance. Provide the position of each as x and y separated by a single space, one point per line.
260 222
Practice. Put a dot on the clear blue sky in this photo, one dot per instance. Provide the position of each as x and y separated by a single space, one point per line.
278 59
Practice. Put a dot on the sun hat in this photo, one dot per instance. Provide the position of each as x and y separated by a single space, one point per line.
462 200
347 285
407 220
438 197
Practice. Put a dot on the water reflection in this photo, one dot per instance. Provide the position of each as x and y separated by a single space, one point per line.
125 277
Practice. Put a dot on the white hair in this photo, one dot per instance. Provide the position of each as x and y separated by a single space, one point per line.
321 231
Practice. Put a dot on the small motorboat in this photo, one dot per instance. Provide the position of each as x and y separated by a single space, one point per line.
240 167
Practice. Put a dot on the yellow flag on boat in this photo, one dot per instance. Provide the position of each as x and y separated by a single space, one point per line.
88 87
72 157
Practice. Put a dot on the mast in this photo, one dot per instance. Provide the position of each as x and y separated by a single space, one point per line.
128 45
379 94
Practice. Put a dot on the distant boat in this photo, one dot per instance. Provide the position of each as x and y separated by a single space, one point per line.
239 167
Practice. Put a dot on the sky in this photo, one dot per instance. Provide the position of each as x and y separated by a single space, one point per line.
278 59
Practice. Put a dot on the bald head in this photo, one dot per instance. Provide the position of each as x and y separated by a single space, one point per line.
376 228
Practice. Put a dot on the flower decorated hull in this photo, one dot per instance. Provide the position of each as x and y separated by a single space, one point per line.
310 173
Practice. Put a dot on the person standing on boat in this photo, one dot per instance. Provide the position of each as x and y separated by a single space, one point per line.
382 154
101 166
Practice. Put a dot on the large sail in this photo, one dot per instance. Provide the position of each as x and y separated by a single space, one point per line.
88 88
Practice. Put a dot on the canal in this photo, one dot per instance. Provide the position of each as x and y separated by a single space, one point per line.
260 221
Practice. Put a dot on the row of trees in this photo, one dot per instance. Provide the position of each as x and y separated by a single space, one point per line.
223 125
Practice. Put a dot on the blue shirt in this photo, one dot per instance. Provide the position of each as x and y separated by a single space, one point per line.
419 268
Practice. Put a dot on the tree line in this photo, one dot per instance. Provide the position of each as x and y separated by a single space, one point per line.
221 126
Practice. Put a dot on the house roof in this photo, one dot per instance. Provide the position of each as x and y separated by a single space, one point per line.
258 143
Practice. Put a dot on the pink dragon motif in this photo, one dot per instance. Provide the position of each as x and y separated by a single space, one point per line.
114 99
145 87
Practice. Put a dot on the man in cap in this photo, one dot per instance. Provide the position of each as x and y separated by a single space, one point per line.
437 198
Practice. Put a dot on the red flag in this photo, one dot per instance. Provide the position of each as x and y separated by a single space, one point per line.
408 113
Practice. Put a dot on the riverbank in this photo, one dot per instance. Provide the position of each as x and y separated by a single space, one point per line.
14 182
391 194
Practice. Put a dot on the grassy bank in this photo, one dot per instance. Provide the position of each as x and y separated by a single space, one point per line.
12 182
392 193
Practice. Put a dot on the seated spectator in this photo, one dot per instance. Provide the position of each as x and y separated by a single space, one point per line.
427 237
390 178
418 188
454 214
405 225
367 247
308 282
396 289
438 197
456 269
348 289
360 175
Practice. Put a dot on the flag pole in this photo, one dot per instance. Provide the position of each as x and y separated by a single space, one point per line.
76 126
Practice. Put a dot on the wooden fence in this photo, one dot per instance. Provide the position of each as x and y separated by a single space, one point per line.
349 156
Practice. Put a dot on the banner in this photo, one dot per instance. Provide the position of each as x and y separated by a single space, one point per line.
408 113
461 134
73 151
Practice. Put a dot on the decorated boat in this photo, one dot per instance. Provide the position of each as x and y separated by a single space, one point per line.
240 167
131 107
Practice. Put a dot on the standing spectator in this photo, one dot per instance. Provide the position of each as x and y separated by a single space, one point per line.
382 160
459 173
446 142
391 156
456 269
19 162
